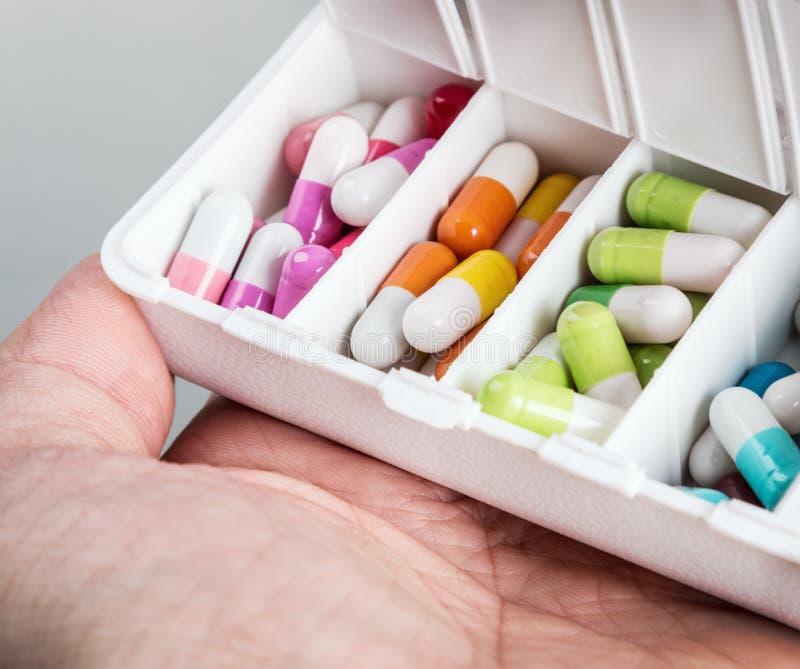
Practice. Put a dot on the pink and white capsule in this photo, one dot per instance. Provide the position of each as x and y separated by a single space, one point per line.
212 245
359 195
256 279
259 223
298 141
339 145
403 122
301 270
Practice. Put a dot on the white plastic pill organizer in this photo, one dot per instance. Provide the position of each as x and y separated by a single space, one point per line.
705 87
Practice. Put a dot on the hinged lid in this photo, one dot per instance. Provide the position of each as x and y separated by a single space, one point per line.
700 85
427 29
559 53
785 19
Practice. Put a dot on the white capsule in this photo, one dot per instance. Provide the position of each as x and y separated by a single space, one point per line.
359 195
783 400
366 113
377 337
402 123
708 460
651 314
699 262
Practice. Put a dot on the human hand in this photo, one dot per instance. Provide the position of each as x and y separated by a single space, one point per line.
258 544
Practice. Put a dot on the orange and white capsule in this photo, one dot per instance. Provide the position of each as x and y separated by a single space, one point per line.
377 337
487 203
460 300
403 122
552 226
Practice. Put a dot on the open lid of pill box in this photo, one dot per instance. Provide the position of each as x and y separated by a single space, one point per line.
697 80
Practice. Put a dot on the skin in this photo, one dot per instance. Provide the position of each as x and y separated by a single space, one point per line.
255 543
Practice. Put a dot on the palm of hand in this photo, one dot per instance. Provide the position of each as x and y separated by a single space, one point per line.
262 544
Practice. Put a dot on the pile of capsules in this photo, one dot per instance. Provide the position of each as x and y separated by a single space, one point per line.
349 165
610 339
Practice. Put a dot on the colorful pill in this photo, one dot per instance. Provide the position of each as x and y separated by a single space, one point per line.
708 460
339 145
487 203
707 494
259 223
298 141
443 105
540 205
449 355
377 337
596 354
647 358
345 242
685 260
359 195
547 409
546 363
552 226
658 200
212 245
301 270
735 487
763 451
783 400
403 122
259 271
697 300
460 300
644 314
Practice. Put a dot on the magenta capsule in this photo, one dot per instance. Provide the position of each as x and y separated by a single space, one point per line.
443 105
345 242
298 141
339 145
403 122
301 270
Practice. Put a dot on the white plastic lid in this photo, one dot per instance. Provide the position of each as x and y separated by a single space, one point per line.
785 19
559 53
700 85
427 29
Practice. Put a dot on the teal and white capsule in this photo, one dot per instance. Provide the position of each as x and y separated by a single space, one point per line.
645 257
783 400
763 451
707 494
546 363
658 200
644 314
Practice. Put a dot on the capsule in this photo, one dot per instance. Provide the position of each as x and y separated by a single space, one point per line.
685 260
707 494
403 122
546 363
212 245
763 451
256 278
345 242
359 195
647 358
301 270
658 200
735 486
644 314
540 205
596 354
444 105
547 409
448 356
552 226
708 460
487 203
460 300
377 337
697 300
339 145
783 400
259 223
298 141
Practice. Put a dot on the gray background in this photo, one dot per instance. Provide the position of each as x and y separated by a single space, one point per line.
97 99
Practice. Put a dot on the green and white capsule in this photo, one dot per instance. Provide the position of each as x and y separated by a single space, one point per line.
596 354
685 260
658 200
546 363
644 314
547 409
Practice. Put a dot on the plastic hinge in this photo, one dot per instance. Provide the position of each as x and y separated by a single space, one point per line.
756 527
588 460
425 400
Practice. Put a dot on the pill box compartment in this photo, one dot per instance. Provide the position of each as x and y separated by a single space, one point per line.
612 497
